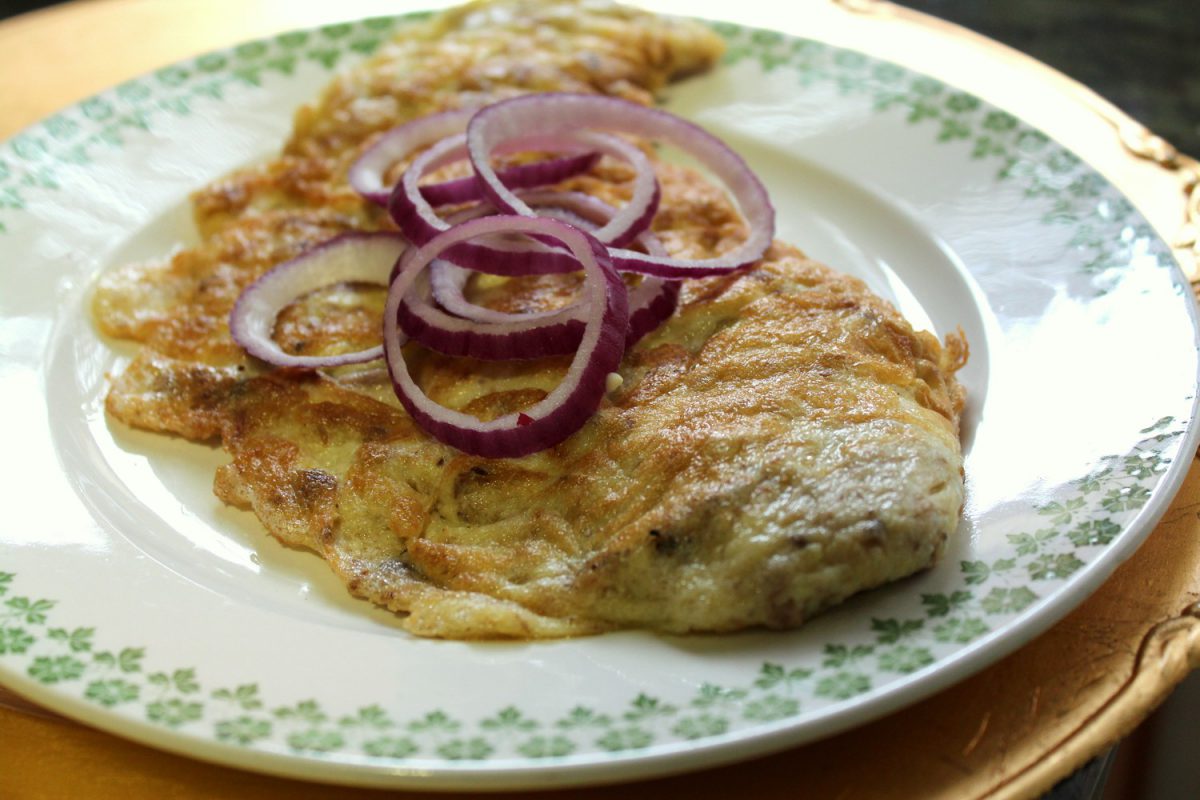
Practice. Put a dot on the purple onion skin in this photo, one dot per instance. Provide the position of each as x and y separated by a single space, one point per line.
556 112
555 339
584 396
558 339
522 176
480 258
647 319
608 331
266 351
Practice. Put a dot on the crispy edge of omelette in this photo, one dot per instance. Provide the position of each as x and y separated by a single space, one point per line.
191 379
787 440
468 56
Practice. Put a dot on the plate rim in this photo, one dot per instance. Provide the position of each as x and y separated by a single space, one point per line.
964 663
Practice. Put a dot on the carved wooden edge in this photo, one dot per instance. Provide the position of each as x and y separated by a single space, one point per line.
1171 649
1168 652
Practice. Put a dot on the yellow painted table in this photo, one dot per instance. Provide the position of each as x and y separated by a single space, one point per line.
1011 731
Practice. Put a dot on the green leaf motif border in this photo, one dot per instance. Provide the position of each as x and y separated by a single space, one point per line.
38 158
1106 232
989 594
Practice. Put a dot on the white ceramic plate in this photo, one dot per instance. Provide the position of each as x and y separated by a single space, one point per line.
132 599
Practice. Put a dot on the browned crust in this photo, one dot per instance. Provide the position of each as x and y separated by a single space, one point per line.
784 440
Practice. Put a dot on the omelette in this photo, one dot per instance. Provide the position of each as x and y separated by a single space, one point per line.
783 441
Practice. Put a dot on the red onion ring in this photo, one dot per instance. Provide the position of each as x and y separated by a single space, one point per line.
598 326
366 174
521 176
568 407
554 335
561 113
350 257
419 222
500 336
650 302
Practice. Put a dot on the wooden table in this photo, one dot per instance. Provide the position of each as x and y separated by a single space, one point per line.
1010 731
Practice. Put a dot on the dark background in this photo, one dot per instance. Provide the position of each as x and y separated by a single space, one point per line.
1144 56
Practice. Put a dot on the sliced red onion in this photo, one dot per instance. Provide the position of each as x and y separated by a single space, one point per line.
448 280
617 228
521 176
352 257
568 407
595 212
453 279
650 302
561 113
498 335
366 175
550 332
553 334
419 222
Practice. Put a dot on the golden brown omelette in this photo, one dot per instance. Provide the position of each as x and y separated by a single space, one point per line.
783 441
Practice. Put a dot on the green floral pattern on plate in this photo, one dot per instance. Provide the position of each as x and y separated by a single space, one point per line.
1073 194
1062 536
36 158
993 592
